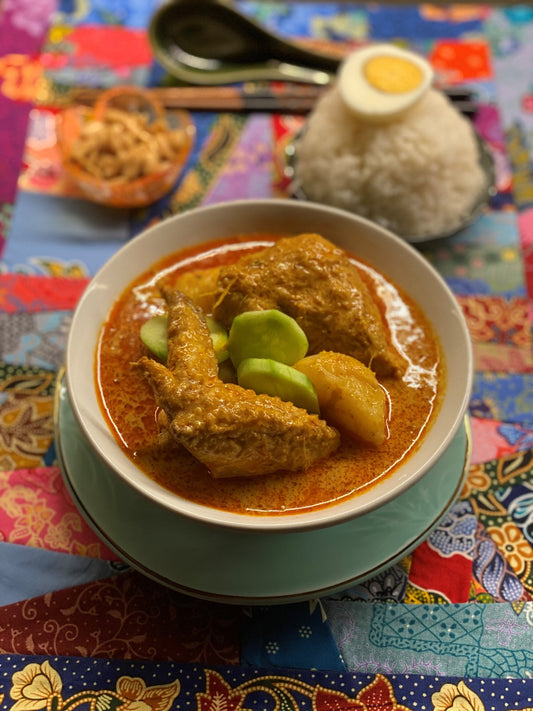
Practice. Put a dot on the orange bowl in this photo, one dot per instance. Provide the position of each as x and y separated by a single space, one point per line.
140 191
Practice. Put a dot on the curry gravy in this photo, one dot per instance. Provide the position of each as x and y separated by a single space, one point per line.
129 407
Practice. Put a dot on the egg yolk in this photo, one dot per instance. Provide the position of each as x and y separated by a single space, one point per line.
392 75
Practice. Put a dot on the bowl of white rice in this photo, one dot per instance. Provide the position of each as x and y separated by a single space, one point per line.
425 175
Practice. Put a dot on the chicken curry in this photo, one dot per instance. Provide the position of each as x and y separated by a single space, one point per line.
222 445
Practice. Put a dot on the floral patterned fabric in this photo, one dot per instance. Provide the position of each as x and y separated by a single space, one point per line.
450 625
64 682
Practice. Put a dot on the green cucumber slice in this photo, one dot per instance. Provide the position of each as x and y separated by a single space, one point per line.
154 336
270 377
266 334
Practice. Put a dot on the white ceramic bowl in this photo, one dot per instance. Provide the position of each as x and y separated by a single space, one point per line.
388 253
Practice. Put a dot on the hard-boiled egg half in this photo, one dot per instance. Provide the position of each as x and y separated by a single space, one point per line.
381 81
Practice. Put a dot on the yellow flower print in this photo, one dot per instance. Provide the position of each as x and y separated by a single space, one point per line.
35 686
456 698
38 686
512 544
61 268
477 480
140 698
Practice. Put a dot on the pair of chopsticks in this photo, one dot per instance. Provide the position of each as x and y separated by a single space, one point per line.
297 99
288 98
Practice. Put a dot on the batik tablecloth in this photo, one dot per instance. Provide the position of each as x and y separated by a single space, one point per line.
451 625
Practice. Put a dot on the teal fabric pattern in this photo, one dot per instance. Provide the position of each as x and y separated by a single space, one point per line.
464 639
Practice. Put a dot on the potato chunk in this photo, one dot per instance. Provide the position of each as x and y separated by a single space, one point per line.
349 394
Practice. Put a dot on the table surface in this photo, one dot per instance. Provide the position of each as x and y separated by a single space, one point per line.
450 623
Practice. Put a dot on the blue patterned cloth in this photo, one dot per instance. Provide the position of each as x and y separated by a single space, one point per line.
74 230
297 636
447 640
26 572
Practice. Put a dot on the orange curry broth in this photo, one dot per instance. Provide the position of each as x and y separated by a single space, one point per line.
129 406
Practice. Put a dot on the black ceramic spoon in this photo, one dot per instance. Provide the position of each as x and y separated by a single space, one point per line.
210 42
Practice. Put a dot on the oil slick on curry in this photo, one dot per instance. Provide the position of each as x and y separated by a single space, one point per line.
372 359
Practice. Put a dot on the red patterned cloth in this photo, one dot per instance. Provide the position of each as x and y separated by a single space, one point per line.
128 617
37 510
39 293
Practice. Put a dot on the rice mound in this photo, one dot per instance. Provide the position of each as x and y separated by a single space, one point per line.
418 175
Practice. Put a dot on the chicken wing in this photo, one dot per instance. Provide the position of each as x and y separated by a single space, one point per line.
312 280
231 430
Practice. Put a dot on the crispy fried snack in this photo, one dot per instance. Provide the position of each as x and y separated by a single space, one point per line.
122 146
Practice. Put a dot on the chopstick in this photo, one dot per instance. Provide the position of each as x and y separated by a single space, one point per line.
288 98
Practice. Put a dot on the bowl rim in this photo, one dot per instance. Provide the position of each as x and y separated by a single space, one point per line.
99 435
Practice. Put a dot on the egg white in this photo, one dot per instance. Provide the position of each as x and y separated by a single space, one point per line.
377 104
